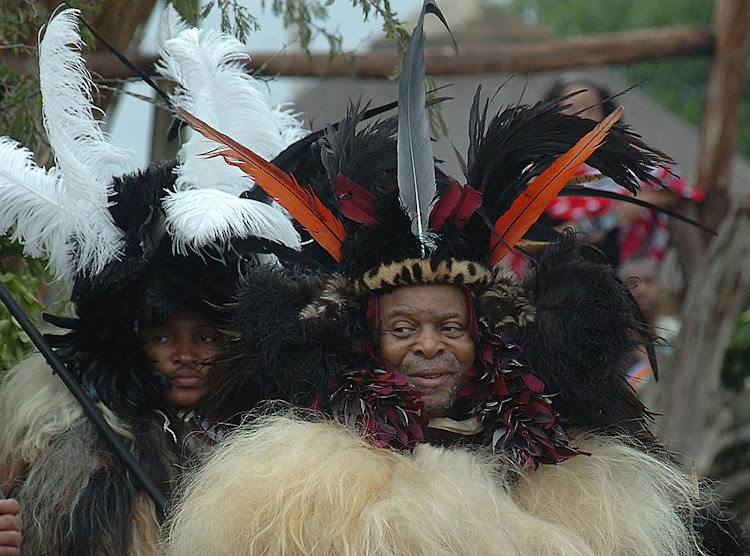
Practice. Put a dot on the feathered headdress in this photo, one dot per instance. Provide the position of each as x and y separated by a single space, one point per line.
390 219
208 205
140 245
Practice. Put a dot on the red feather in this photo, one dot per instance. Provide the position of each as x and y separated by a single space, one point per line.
302 203
356 202
455 205
471 200
527 207
445 205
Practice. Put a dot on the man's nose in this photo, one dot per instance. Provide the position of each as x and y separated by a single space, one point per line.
429 342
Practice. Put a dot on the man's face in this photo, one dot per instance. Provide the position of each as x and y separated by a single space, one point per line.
178 349
424 334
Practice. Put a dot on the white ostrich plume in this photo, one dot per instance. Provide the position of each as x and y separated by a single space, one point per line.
31 200
199 217
85 157
213 84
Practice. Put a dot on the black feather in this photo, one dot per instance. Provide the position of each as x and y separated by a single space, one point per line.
365 156
521 141
582 191
107 359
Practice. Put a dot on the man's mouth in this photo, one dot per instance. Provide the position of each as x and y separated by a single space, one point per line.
425 380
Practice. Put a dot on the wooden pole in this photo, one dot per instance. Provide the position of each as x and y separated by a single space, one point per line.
600 49
696 412
719 127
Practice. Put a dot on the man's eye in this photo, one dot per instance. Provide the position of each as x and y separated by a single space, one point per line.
452 330
401 331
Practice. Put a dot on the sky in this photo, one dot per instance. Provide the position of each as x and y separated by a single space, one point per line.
132 120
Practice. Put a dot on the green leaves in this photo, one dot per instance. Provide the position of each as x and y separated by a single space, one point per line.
23 279
736 371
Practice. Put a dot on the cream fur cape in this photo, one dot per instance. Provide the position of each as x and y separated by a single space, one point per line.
290 486
74 496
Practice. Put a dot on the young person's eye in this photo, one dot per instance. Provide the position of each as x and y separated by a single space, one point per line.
157 338
208 338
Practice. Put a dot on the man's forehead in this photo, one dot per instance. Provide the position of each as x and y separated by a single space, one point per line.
433 311
435 299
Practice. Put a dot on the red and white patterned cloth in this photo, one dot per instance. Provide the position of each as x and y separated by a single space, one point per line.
579 208
646 236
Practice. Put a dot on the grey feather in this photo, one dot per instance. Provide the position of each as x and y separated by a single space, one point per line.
416 167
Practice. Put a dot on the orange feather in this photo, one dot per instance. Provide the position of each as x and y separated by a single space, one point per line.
300 202
527 207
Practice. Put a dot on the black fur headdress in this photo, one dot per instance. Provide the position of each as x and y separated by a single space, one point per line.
149 284
137 246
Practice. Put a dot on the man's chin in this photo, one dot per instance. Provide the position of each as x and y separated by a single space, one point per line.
438 405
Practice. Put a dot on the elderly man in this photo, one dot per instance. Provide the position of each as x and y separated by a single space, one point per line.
424 334
415 352
416 341
411 349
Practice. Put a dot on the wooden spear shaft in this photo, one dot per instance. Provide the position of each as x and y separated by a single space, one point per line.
89 408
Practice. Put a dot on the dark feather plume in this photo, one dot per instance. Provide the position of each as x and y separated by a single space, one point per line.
509 153
366 155
584 330
135 210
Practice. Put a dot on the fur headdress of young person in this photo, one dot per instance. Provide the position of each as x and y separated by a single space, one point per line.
389 218
138 245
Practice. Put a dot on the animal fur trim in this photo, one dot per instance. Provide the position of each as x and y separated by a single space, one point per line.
338 295
427 271
284 486
35 407
583 332
620 500
290 487
504 307
75 497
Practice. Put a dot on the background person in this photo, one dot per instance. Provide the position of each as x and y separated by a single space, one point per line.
623 230
642 279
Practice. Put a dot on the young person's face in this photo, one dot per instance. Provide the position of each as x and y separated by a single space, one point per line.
179 348
424 334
